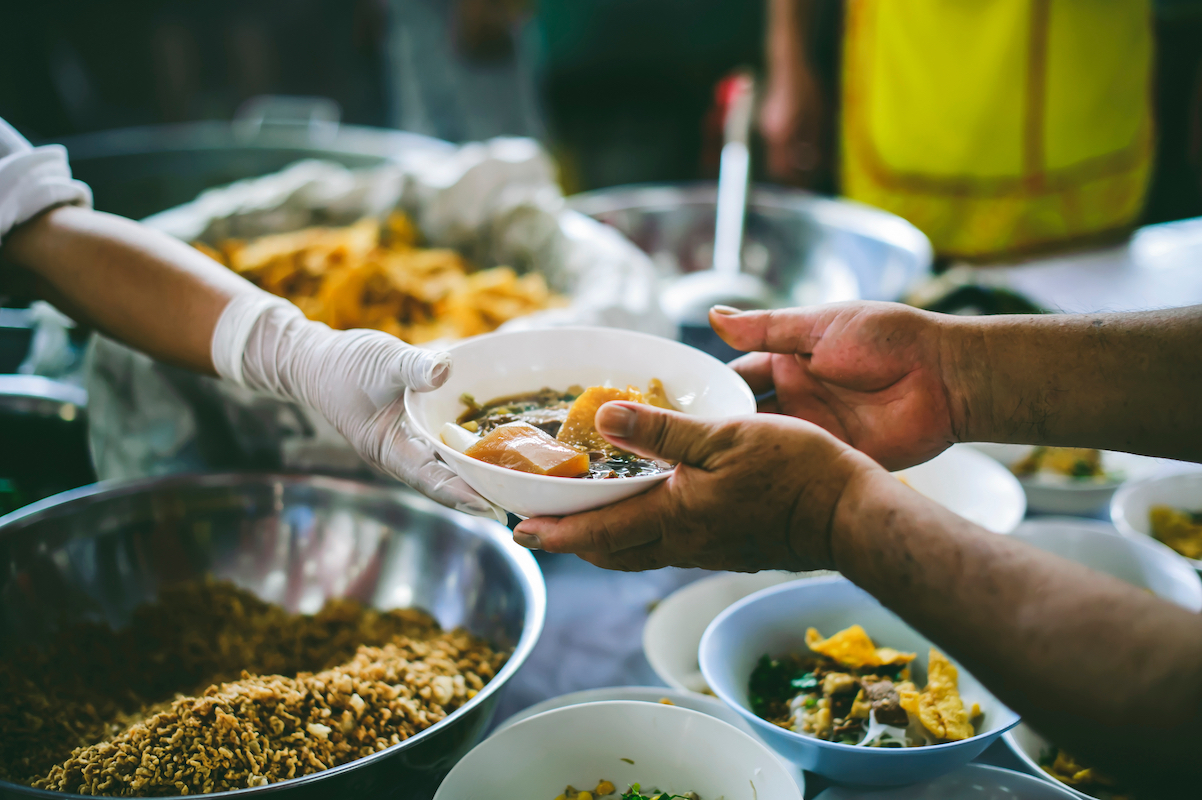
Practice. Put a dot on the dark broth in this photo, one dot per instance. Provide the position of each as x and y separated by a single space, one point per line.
547 409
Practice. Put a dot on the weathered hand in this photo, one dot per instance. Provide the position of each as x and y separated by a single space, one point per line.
748 494
873 374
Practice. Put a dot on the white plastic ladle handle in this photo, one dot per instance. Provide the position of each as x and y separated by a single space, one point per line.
733 174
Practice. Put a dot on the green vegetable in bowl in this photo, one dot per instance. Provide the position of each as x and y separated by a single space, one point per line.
606 789
635 793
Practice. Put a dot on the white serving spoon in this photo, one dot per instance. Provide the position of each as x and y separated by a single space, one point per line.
689 299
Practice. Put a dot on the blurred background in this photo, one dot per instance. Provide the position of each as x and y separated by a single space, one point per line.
622 91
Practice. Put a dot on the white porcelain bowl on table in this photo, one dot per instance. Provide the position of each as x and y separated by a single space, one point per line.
673 630
1131 504
774 621
674 749
972 485
1061 494
1138 560
500 364
974 782
709 706
639 694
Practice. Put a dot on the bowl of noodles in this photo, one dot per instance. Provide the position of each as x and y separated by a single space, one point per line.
516 418
839 685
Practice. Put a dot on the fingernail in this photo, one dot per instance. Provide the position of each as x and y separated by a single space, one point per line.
528 541
725 311
616 420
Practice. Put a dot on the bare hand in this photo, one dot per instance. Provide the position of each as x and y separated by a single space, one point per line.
748 494
873 374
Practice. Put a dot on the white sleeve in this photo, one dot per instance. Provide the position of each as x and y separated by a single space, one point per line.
33 179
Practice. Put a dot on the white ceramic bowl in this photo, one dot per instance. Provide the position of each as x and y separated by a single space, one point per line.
1055 494
709 706
673 630
1130 506
1139 560
974 782
972 485
500 364
675 749
774 621
640 694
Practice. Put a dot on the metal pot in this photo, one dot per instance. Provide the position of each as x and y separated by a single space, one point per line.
136 172
96 553
808 248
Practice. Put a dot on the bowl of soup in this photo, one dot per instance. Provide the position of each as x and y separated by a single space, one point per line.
516 418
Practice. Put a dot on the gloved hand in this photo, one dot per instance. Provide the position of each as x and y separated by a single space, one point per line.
355 379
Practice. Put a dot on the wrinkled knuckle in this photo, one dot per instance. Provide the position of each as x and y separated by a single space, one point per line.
605 537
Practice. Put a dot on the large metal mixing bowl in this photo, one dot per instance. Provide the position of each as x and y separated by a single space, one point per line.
96 553
810 248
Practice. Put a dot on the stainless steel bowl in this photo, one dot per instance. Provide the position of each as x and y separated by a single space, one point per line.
96 553
811 249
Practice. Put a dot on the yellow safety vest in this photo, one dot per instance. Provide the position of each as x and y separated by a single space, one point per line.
999 126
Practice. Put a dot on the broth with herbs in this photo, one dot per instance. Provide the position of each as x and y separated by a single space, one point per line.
550 432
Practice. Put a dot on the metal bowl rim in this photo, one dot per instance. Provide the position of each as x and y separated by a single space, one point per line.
836 212
527 569
218 135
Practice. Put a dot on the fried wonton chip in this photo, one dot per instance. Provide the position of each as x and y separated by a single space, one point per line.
579 429
657 395
373 275
852 647
940 707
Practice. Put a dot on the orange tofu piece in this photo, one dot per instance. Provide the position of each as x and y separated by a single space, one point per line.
525 448
580 428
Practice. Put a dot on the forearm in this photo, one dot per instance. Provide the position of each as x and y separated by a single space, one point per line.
133 283
1093 663
1128 382
787 34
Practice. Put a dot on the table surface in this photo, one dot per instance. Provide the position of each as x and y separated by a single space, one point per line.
595 618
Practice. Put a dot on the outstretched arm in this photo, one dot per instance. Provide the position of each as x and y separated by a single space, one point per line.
1107 671
902 384
135 284
1127 382
161 296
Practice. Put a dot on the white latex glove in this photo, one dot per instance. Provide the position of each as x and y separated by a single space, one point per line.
355 379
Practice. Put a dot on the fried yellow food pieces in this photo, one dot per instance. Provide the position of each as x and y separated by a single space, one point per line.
373 275
1069 770
940 708
852 647
1180 530
657 395
525 448
1074 462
